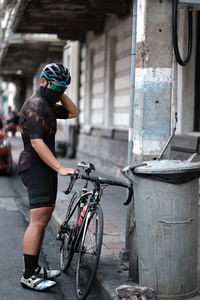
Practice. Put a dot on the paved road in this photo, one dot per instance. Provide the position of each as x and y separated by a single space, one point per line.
14 216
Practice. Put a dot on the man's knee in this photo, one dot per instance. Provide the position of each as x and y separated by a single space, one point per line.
40 217
39 225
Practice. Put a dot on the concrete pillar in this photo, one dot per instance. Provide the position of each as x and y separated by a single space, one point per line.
24 90
71 59
153 89
153 85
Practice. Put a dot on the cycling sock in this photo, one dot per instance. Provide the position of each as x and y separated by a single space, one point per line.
38 258
30 264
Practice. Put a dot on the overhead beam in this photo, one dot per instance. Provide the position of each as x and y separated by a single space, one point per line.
71 19
24 56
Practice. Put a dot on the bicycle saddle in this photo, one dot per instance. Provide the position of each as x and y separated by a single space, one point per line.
82 164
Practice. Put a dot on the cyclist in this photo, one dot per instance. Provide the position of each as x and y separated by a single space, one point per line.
39 166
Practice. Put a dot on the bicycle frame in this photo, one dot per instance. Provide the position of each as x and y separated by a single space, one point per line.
84 228
81 232
94 200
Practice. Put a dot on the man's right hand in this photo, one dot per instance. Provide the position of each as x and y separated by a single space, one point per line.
65 171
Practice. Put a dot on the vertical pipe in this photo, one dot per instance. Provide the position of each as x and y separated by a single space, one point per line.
132 101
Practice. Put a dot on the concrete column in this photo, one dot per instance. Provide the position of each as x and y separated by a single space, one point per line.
153 90
24 88
153 85
71 59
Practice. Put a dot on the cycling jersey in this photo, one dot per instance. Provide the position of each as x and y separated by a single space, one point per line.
38 121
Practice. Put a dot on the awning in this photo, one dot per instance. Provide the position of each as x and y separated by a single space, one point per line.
69 19
21 55
22 50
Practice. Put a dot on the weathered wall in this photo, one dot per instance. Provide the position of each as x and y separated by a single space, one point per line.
105 152
105 95
162 87
184 83
153 86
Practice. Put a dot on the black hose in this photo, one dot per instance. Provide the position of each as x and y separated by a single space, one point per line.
175 35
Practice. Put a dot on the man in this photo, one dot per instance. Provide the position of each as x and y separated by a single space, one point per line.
39 166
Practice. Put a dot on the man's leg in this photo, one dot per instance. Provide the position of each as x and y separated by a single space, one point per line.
34 233
33 238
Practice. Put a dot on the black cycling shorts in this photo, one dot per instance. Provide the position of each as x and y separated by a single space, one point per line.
41 183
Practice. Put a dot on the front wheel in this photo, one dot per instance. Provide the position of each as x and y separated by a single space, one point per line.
69 236
89 253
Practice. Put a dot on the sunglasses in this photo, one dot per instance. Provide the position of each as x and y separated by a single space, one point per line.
57 87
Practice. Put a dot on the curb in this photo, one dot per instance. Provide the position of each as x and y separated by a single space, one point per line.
111 273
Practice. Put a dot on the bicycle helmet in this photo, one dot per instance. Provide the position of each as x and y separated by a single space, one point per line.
56 72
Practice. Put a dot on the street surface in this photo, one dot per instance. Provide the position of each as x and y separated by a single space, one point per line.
14 215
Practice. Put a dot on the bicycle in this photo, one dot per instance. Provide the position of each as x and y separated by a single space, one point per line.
82 230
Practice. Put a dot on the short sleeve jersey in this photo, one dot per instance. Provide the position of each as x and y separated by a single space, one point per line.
38 121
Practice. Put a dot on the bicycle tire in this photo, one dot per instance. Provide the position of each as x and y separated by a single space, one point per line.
66 249
88 256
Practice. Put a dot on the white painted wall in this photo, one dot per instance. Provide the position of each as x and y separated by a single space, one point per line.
11 90
184 81
82 93
105 76
70 61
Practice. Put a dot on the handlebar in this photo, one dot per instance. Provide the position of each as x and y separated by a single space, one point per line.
129 169
73 178
100 181
130 194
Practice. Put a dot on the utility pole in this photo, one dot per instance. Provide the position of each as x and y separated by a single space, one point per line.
153 89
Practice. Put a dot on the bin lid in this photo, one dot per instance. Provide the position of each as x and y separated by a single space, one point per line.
174 171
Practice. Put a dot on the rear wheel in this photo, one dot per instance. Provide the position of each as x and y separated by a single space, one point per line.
69 233
89 253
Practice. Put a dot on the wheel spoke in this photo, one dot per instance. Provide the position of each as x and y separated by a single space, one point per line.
89 253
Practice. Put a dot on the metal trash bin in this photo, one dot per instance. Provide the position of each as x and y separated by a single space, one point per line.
166 196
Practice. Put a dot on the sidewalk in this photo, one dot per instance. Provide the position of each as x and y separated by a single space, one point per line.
112 272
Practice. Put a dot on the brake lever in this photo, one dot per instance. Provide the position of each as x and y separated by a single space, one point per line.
73 178
130 194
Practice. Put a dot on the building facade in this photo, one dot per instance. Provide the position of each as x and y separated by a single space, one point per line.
96 45
105 87
105 64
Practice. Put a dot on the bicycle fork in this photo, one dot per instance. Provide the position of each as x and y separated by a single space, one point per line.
84 228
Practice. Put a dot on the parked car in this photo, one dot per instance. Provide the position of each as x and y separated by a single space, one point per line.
5 150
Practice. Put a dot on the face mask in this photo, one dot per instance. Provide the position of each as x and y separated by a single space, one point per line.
51 96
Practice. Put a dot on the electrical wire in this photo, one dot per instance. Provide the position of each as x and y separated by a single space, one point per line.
179 59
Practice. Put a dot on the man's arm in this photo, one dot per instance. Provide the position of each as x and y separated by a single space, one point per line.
69 105
47 156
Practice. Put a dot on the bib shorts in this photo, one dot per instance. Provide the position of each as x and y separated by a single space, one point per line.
41 183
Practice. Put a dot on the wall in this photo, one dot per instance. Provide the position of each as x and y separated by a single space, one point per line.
105 89
186 141
69 129
105 96
184 81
